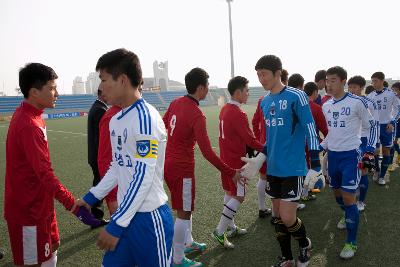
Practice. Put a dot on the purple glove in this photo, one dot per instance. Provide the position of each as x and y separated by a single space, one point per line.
86 217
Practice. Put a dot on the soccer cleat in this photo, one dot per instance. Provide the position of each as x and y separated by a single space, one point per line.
274 220
309 197
264 213
315 190
301 206
235 231
341 224
360 206
188 263
282 262
195 246
381 181
305 255
222 240
348 251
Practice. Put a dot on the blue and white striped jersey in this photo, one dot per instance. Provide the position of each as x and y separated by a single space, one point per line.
289 123
388 105
138 140
346 117
373 109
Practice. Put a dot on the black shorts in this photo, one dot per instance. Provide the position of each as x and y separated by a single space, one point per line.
285 188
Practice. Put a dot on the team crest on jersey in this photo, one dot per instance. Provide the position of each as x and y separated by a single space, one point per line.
272 109
336 115
146 149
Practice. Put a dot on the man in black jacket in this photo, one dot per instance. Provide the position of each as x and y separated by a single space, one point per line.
96 112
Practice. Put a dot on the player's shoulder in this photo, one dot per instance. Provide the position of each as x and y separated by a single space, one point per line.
296 95
358 100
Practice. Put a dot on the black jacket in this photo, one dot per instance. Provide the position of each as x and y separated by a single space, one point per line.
96 112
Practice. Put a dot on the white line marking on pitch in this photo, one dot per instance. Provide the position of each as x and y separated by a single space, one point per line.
66 132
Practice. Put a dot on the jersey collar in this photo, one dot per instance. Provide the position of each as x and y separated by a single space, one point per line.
234 102
192 98
338 100
126 110
31 109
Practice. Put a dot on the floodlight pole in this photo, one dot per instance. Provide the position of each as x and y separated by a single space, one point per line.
231 40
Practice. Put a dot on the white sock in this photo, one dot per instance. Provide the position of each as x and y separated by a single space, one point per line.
261 194
228 213
227 198
180 230
189 237
52 262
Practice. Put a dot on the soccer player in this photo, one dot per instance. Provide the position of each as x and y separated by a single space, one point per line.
104 156
30 183
320 80
356 85
140 231
96 112
234 135
186 125
296 81
396 90
389 112
288 123
258 124
346 114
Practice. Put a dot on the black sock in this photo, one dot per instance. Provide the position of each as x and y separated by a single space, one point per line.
298 231
283 237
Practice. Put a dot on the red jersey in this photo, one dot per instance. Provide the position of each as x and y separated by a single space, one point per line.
235 134
259 123
30 183
325 98
319 118
186 125
104 154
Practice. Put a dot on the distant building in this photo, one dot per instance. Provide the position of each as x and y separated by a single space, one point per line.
78 86
92 83
160 70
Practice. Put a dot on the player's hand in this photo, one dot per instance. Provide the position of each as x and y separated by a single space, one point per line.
106 241
239 179
367 161
82 203
324 167
389 128
312 178
252 166
84 215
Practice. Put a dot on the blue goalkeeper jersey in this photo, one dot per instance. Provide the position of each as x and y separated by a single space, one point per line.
289 123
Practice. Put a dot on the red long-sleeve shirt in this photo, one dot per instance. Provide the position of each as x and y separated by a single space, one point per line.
319 118
30 183
234 135
186 125
259 123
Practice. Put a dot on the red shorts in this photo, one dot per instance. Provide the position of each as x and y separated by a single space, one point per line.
33 244
183 192
112 195
232 188
263 169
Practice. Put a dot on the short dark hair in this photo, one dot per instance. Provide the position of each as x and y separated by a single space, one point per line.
269 62
385 84
369 89
396 85
359 80
195 78
320 75
121 61
378 75
296 80
284 75
35 75
310 88
236 83
339 71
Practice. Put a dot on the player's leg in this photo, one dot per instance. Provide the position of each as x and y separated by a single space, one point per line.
290 195
263 211
386 141
363 186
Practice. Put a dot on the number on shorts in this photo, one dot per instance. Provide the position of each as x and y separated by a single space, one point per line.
46 250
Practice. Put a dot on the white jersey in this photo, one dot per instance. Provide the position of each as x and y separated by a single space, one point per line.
373 109
138 140
345 118
388 105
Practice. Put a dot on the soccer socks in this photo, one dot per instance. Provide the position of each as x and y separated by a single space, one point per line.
340 202
226 200
284 239
228 213
298 231
52 262
261 194
352 219
377 167
363 188
180 230
384 165
189 237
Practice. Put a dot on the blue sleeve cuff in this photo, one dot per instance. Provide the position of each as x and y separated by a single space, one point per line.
370 149
393 122
114 229
320 148
90 199
265 150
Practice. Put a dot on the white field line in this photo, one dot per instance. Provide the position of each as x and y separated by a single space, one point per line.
84 134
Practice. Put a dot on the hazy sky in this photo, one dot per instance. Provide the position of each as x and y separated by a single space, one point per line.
70 35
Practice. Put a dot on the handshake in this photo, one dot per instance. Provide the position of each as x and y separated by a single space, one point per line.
81 211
